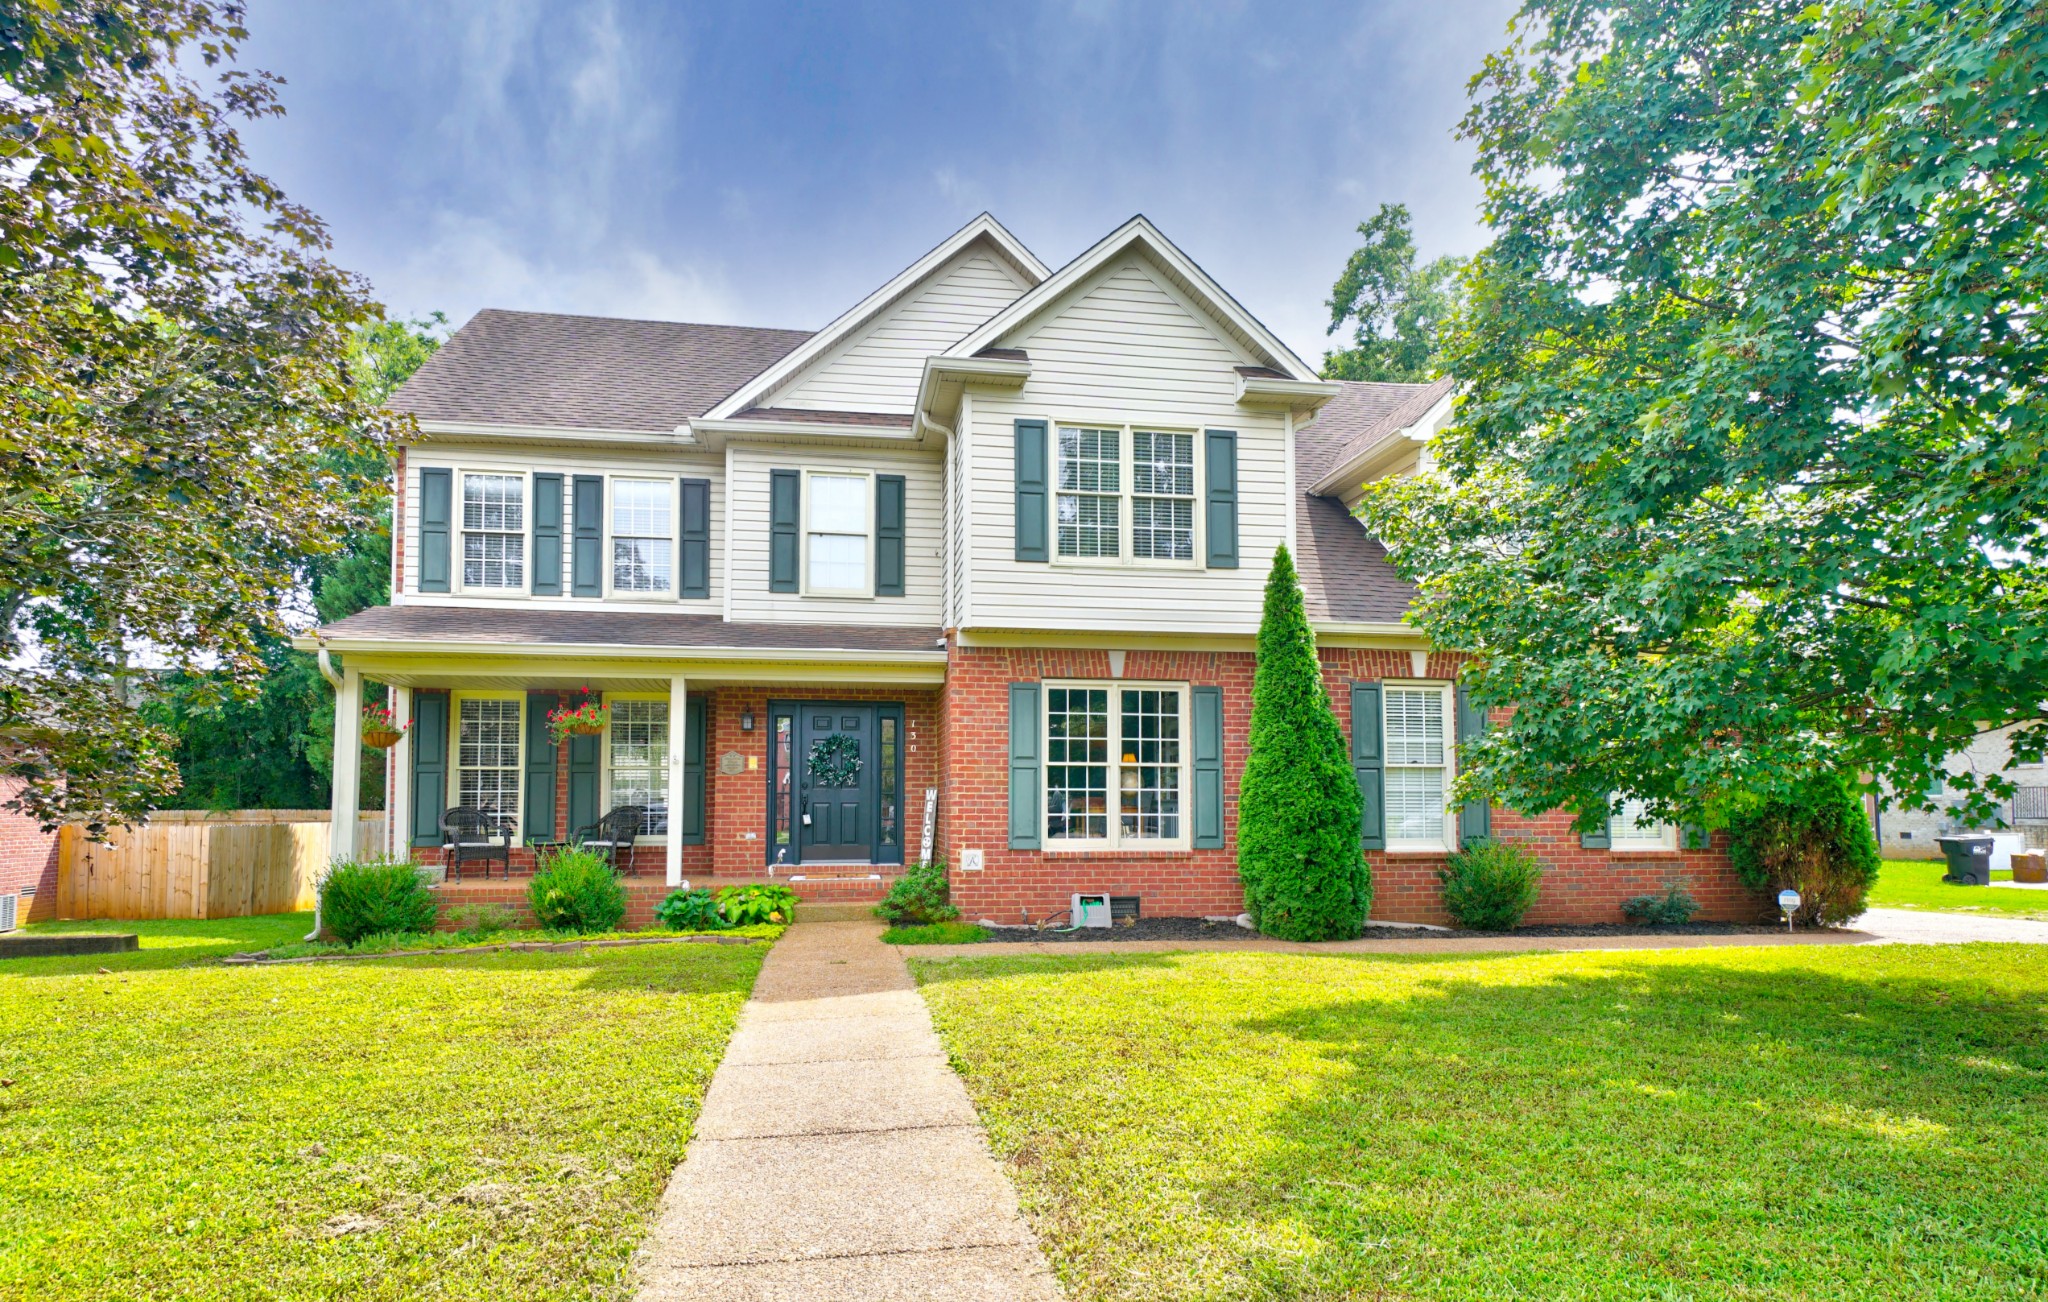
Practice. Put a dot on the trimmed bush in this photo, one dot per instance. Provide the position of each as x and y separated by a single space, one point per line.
1674 908
576 890
690 911
744 906
919 896
369 897
1297 811
1818 843
1490 885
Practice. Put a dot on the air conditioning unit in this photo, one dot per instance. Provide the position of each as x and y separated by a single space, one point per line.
10 912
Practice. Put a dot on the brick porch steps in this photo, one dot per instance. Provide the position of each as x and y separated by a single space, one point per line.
822 898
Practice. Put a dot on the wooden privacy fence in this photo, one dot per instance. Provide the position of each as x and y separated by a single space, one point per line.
198 865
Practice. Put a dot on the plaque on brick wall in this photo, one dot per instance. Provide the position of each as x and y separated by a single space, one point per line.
732 762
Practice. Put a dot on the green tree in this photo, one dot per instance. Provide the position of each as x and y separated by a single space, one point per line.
1297 807
1749 475
1396 309
178 409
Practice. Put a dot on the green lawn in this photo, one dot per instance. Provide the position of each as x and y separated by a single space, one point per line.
460 1126
1917 884
1825 1122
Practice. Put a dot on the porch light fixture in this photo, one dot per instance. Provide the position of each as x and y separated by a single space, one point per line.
746 720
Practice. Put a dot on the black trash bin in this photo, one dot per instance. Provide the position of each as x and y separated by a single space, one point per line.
1969 859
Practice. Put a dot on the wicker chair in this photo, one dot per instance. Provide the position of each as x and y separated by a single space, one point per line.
470 834
614 834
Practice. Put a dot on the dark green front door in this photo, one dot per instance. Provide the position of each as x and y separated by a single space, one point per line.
836 782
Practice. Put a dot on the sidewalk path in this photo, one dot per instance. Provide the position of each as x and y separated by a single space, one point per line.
1927 927
837 1156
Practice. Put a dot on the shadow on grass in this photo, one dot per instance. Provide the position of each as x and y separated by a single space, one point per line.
1673 1126
165 942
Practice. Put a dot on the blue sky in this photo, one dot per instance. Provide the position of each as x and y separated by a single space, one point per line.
769 164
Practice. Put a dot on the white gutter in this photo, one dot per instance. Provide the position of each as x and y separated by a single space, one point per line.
616 651
1294 395
327 669
462 429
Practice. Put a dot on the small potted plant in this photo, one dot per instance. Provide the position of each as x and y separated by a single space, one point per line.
583 717
381 728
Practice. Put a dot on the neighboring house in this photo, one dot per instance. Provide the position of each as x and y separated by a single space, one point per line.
1910 833
998 533
28 864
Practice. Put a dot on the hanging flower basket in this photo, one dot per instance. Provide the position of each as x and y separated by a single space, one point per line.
586 716
381 728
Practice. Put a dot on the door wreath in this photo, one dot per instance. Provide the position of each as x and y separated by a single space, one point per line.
835 760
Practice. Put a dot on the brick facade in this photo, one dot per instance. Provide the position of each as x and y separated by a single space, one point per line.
28 858
1580 885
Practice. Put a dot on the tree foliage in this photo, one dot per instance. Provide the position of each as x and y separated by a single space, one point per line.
1396 309
1749 475
1297 807
178 419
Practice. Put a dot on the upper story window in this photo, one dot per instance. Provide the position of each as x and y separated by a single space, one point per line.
1107 479
837 531
1634 829
494 531
1418 750
1115 770
643 535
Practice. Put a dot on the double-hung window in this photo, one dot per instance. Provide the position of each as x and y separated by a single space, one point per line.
1418 776
1162 496
1090 497
487 754
1116 765
1634 829
494 531
1124 493
638 760
643 535
838 530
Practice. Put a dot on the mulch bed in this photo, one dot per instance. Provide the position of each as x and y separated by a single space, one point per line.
1200 929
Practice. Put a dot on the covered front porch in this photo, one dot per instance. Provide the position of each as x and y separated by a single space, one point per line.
710 765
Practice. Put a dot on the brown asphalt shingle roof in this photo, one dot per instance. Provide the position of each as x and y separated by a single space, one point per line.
556 626
1362 413
588 372
1345 574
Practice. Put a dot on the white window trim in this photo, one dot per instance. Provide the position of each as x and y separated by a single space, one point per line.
675 538
1447 838
453 795
605 759
456 545
1125 559
804 588
1664 840
1115 842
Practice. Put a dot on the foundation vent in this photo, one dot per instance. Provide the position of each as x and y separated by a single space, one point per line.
10 912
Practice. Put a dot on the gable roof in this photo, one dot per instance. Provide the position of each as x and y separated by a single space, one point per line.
1363 413
984 228
1140 233
555 370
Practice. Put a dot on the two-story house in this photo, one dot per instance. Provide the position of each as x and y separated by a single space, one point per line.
986 551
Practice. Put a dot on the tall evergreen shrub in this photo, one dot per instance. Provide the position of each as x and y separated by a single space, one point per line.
1819 844
1297 808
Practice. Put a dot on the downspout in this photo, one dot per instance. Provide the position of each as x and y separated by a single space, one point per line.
327 671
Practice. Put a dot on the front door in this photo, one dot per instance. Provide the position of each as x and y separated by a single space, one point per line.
835 767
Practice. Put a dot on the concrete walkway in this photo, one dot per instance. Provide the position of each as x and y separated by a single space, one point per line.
837 1156
1927 927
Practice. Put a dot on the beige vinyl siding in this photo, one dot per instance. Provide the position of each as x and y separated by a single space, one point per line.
1123 348
923 536
568 463
878 367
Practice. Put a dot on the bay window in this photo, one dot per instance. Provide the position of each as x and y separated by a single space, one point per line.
494 531
1418 776
1115 765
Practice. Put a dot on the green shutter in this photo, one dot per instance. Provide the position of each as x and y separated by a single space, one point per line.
437 518
785 509
1600 840
1369 764
429 739
1031 491
586 557
1220 518
539 816
888 535
1208 756
694 570
696 720
583 781
1024 766
1475 818
1692 836
547 536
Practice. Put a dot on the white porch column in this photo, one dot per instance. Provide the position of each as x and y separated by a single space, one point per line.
398 767
678 722
348 765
